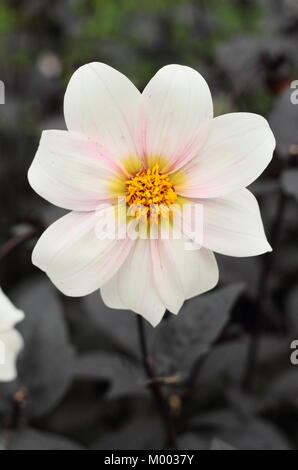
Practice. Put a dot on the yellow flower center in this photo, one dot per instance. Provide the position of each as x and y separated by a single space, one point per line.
150 187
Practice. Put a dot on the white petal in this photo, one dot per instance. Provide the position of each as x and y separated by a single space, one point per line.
9 314
178 108
134 285
11 344
185 270
103 104
72 171
233 225
167 281
238 149
73 256
110 294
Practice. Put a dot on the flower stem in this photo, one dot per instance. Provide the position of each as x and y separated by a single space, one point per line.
155 386
19 402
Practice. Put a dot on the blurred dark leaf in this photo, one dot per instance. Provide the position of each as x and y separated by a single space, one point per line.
218 444
139 434
272 347
227 360
54 122
283 390
233 270
11 115
124 376
192 441
243 402
220 417
84 413
46 363
281 15
249 60
181 340
286 261
284 122
292 312
118 328
32 439
289 180
254 434
50 214
238 57
263 187
241 432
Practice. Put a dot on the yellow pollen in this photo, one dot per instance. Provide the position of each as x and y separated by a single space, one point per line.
150 187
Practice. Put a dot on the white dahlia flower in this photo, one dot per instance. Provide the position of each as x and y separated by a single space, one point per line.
157 149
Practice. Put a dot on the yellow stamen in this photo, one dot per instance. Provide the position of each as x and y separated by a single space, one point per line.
150 187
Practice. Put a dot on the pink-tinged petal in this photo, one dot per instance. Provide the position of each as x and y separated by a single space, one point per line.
72 171
11 344
233 225
167 281
74 257
103 104
181 271
133 285
188 218
178 107
111 296
238 149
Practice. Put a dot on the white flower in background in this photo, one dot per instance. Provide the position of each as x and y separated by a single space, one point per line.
163 146
11 341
